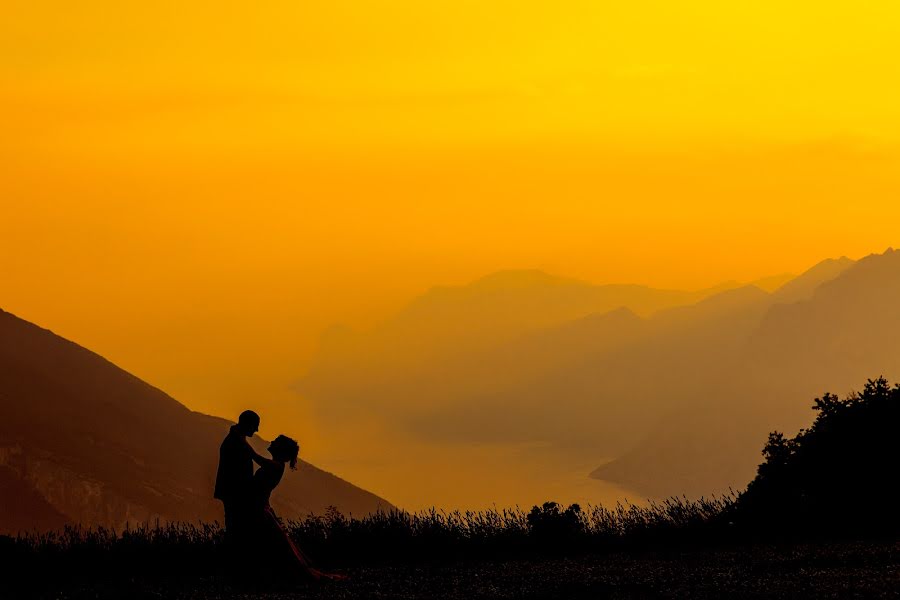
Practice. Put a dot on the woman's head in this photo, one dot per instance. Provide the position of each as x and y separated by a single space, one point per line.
285 449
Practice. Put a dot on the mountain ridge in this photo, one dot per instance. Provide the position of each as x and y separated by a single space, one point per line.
635 389
102 447
844 330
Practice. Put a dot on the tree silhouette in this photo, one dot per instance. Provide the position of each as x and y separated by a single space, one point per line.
837 477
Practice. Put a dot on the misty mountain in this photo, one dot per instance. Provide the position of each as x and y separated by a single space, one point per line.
450 328
804 286
845 330
543 384
82 441
677 396
608 387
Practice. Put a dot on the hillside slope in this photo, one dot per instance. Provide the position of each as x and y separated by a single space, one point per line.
82 440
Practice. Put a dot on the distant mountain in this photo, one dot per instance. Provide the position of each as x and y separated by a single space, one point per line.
82 441
411 354
680 397
582 378
773 283
839 326
849 324
804 286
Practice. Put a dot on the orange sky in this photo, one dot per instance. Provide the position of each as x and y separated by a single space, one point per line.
196 190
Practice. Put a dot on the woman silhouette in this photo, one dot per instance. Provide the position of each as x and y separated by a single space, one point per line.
277 551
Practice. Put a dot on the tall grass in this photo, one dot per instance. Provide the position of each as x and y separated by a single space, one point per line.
546 529
335 540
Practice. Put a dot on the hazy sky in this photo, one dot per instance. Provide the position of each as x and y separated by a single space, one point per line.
196 190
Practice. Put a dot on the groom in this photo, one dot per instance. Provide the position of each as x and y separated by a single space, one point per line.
235 473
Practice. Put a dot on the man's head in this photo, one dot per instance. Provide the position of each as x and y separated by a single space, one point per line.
248 423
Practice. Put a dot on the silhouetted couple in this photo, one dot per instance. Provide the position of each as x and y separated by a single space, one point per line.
259 546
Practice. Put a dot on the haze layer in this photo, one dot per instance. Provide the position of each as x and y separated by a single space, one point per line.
197 190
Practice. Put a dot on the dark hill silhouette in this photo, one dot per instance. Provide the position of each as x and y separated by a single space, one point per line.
23 507
83 441
836 477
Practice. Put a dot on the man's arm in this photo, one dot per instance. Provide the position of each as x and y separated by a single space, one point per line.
257 458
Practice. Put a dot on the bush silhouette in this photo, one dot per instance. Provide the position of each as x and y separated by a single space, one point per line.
838 476
556 528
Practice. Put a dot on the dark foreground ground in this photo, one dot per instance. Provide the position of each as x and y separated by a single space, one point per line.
844 570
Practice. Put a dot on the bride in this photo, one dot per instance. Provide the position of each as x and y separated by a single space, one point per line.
277 551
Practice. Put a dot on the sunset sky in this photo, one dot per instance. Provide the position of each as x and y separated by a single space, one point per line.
197 190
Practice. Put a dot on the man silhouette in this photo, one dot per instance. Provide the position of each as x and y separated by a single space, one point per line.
235 473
